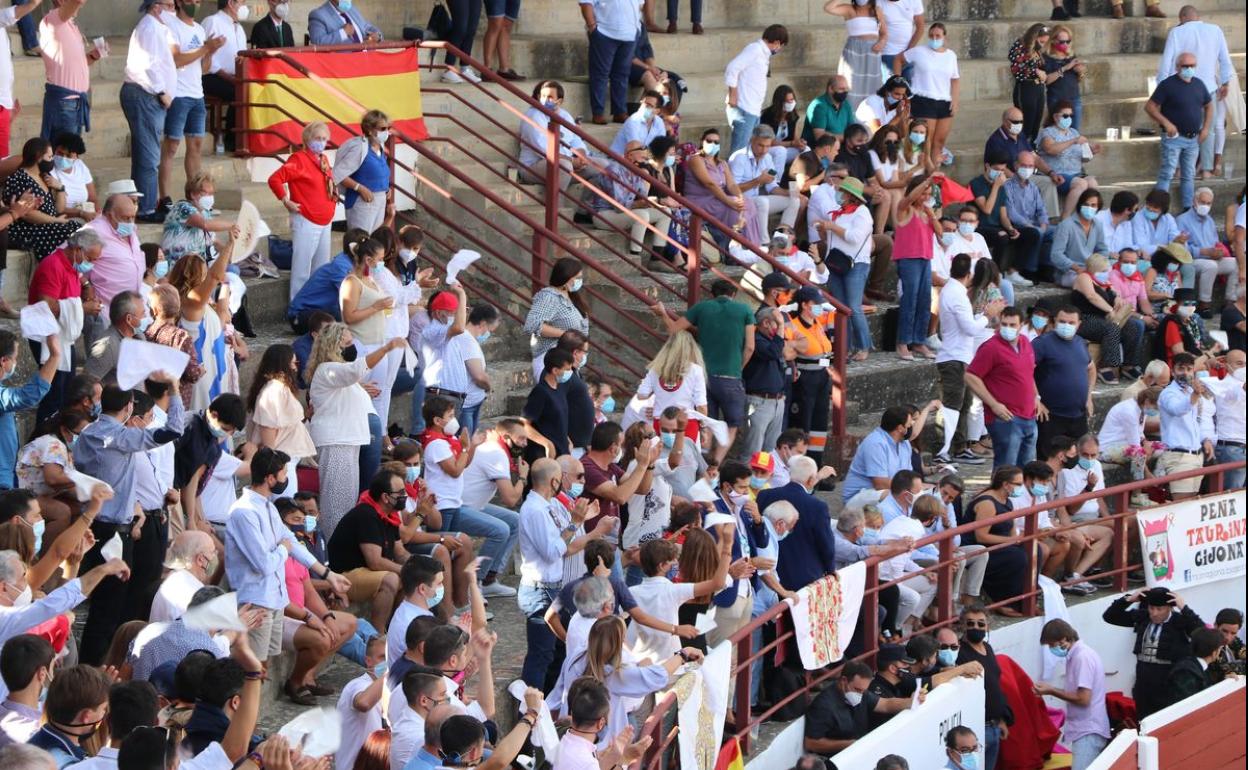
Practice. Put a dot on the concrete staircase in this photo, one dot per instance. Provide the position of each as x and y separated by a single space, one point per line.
550 43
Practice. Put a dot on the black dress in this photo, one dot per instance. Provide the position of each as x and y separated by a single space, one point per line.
1005 576
40 239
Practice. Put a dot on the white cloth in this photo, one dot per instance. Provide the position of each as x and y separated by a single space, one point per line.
8 17
850 583
220 492
708 692
934 72
138 359
1073 481
542 547
356 725
1123 426
188 38
1054 609
75 182
461 349
149 59
960 328
340 404
747 72
1228 395
490 464
38 323
448 489
396 632
661 598
1117 237
874 108
688 395
648 514
897 529
220 24
173 596
899 20
70 323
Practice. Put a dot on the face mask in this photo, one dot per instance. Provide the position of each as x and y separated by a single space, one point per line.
452 427
936 43
345 5
647 113
379 670
669 161
1152 216
400 502
969 761
1039 490
608 405
162 268
482 337
666 100
1065 331
1016 493
317 146
840 199
1061 46
38 527
890 101
790 106
1172 267
757 483
282 10
279 487
853 698
917 139
146 322
1202 209
1128 269
243 13
125 229
576 285
206 201
216 430
668 439
994 174
575 489
45 167
412 473
1059 652
190 8
1065 123
1087 212
738 499
63 163
1016 128
1038 322
1102 276
85 267
24 598
1152 413
1085 463
436 599
966 228
1025 172
871 533
565 376
711 149
1009 333
1187 73
407 255
947 658
976 635
946 239
1186 311
349 354
839 96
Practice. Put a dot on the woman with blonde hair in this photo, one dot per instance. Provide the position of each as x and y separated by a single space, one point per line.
305 186
363 172
341 404
677 377
196 282
1064 72
166 307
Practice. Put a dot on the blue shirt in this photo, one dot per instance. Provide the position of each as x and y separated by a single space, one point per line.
1182 102
1002 144
1180 422
111 452
173 644
1062 374
891 509
635 129
15 400
878 457
1149 235
617 19
255 559
846 552
423 760
746 166
1072 246
1202 232
764 372
1024 204
321 290
303 351
64 751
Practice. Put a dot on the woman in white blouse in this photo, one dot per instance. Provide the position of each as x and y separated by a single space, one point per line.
936 87
341 404
275 414
889 165
677 377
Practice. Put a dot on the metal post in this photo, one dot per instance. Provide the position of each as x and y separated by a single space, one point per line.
693 266
944 580
550 203
1029 532
741 707
840 357
1120 542
871 611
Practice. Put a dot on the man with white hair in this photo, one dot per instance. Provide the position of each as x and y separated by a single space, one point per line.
1210 257
811 554
18 612
779 518
1156 374
1214 71
594 598
20 756
193 560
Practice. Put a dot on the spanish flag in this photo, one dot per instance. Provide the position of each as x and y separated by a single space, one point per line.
730 756
283 96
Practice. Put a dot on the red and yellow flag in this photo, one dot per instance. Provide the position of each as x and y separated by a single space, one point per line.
335 86
730 756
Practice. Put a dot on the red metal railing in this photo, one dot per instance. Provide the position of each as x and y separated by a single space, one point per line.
553 228
1117 497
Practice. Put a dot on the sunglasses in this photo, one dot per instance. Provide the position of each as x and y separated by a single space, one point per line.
955 646
976 624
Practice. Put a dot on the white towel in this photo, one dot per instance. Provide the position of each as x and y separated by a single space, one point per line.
70 322
1054 609
137 360
1236 112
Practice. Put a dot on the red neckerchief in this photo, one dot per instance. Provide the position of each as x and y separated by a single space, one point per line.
512 466
566 501
322 163
433 434
366 498
845 210
1136 277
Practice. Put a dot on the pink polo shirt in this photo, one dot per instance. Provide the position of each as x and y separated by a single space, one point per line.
120 266
64 52
1131 289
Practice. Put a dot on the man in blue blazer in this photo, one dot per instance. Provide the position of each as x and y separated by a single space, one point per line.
337 21
737 514
808 552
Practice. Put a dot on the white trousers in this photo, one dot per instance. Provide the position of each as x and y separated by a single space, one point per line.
1208 270
768 206
637 230
917 594
309 250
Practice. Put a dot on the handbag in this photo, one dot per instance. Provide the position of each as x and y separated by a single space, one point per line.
838 261
439 26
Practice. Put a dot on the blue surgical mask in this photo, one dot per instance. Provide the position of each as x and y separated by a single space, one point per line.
345 5
1152 412
63 163
711 149
1064 123
146 322
161 269
780 536
1187 73
317 146
608 405
966 228
1128 269
1065 331
1151 216
1102 276
917 139
95 410
482 337
217 431
84 267
1039 490
551 105
969 761
125 229
647 113
379 670
947 658
412 473
946 239
565 376
1017 492
575 489
825 162
437 597
757 482
309 524
1038 322
576 285
1009 333
936 43
670 161
668 439
39 527
1086 464
1087 212
994 174
1059 652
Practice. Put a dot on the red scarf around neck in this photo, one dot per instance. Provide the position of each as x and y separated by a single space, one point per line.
433 434
366 498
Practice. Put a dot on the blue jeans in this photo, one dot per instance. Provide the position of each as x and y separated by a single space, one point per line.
742 124
465 16
353 649
1085 750
848 289
610 62
695 10
992 746
146 117
916 300
907 71
370 453
62 115
1007 292
418 400
1225 453
1179 153
539 656
499 526
469 417
1013 441
26 27
764 599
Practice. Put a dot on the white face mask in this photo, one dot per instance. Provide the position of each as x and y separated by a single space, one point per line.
1025 172
790 106
452 427
1203 209
244 13
24 598
282 10
407 255
853 698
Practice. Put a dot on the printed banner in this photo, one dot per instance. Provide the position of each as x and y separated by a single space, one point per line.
340 85
1195 541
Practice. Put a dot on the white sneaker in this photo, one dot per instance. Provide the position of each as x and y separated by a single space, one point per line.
470 74
497 589
933 342
1018 280
451 76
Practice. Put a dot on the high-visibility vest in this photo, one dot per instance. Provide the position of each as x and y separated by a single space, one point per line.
818 343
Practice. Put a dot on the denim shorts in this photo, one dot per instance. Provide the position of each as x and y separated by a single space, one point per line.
507 8
185 117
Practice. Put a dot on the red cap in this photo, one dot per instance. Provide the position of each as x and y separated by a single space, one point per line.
444 301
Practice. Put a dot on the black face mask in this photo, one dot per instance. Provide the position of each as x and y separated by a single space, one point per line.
45 167
890 145
399 503
976 635
279 486
1071 463
515 450
839 96
348 354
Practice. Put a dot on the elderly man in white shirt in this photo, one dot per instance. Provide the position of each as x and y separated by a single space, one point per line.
1228 394
1213 67
1123 427
18 613
917 591
193 561
746 79
755 171
960 333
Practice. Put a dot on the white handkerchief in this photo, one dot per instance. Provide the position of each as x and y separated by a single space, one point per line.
705 621
715 518
83 484
113 548
719 428
635 410
38 322
544 734
700 492
249 226
219 614
237 289
137 360
316 732
460 262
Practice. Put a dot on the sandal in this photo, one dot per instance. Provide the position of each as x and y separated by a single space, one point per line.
1107 376
302 696
320 690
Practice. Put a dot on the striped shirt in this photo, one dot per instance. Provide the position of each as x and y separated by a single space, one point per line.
550 306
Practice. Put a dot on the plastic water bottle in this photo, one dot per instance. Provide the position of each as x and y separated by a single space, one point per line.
220 150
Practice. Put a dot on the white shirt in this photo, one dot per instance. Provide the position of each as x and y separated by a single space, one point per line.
975 247
188 38
1026 500
432 347
747 72
542 547
661 598
898 528
874 107
407 731
340 404
490 463
220 24
356 725
221 491
105 759
576 753
648 514
858 227
934 71
448 489
1117 237
396 632
1213 60
960 328
75 180
174 596
397 324
899 19
211 758
1228 394
149 59
1074 481
1123 426
8 17
461 349
690 394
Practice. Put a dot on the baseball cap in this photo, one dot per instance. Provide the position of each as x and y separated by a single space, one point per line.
444 301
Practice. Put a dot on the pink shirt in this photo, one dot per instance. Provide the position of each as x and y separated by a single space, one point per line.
120 266
913 240
1085 671
1133 289
296 573
64 52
